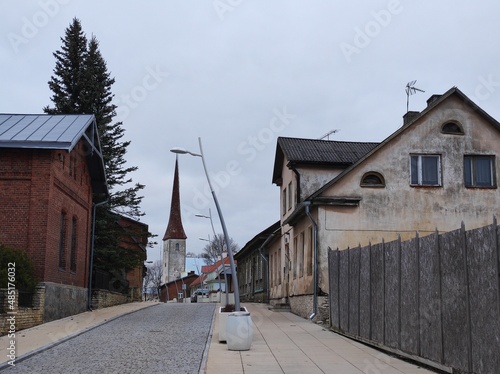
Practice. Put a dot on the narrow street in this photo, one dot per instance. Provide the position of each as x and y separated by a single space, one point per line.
168 338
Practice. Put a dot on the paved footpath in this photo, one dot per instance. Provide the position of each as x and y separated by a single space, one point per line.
166 338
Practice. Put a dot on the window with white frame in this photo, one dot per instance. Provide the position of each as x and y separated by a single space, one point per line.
425 170
479 171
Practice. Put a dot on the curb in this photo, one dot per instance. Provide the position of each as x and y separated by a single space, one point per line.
25 356
203 364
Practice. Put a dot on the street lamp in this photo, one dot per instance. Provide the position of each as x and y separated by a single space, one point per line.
220 250
226 236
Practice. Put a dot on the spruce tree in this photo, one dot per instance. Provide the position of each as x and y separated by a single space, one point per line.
82 84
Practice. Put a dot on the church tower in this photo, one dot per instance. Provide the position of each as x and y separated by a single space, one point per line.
174 240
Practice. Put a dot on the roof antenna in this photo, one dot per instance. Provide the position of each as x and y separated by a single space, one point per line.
327 135
410 90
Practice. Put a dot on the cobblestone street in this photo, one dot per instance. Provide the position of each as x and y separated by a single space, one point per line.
167 338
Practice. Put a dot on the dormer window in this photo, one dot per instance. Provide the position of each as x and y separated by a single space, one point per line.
452 128
372 179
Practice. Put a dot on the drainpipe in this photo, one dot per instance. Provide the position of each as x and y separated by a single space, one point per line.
89 297
264 257
315 268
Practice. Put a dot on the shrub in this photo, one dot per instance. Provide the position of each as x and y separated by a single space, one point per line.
24 276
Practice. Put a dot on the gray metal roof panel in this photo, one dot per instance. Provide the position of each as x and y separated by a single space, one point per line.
42 130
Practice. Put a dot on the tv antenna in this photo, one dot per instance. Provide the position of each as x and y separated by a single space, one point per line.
327 135
411 90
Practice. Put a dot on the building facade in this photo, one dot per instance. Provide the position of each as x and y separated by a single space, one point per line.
49 167
438 170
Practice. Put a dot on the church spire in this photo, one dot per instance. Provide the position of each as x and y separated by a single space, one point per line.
174 227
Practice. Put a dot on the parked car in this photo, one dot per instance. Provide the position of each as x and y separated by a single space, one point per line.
202 292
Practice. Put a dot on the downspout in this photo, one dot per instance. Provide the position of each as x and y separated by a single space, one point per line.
297 184
264 257
89 296
307 205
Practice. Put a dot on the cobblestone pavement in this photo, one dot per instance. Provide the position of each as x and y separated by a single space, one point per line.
168 338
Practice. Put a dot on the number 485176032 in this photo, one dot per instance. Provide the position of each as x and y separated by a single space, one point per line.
11 284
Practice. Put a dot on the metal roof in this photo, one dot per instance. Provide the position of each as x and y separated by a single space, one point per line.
43 130
61 131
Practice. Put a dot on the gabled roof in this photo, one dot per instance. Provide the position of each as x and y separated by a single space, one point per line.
318 152
436 100
258 240
47 131
43 130
206 269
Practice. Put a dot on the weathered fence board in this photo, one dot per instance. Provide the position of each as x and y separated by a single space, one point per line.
436 297
454 289
483 291
344 290
354 291
364 295
377 292
410 322
391 323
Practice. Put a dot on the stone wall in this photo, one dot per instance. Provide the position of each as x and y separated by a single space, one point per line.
63 301
24 317
104 299
303 306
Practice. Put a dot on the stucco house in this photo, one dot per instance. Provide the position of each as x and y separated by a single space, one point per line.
254 262
438 170
50 165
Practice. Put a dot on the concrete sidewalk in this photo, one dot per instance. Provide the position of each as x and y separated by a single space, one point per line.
39 338
286 343
282 343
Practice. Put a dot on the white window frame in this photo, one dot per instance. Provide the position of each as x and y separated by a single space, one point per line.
420 169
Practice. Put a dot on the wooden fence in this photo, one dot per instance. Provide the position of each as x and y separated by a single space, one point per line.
436 298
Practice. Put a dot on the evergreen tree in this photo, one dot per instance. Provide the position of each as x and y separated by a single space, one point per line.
66 84
82 84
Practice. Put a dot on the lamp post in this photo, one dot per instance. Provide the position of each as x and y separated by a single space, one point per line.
220 250
224 229
218 274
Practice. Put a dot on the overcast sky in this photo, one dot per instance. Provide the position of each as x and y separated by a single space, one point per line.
240 73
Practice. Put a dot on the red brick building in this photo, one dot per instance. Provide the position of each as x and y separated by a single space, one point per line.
49 167
135 238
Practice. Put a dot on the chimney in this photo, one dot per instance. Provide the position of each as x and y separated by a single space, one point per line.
409 117
433 98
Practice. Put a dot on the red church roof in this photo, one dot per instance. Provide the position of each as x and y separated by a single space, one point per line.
174 227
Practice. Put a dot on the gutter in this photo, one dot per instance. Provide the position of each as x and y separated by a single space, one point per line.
307 205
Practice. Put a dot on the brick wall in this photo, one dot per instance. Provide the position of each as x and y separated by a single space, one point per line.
36 186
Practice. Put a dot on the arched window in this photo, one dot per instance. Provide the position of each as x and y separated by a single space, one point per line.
177 247
372 179
452 128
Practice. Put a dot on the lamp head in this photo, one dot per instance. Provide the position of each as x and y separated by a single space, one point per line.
178 150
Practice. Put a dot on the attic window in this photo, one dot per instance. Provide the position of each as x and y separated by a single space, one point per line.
372 179
452 128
